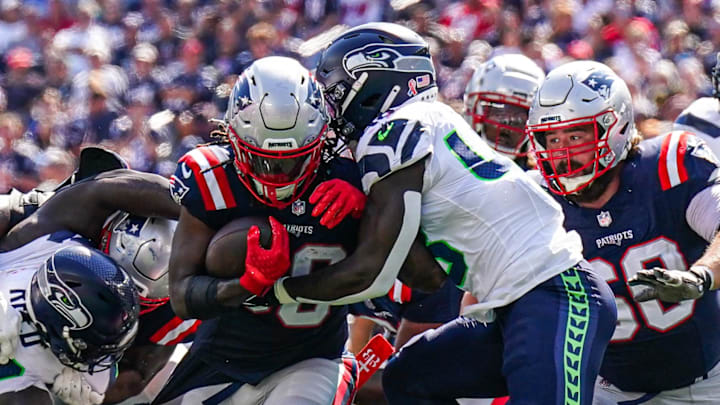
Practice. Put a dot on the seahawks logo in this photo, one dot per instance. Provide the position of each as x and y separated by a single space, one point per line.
63 298
399 58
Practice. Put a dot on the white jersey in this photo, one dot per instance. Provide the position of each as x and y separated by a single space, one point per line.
492 228
702 118
34 364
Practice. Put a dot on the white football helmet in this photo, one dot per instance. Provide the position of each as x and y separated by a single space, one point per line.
576 94
276 123
141 246
497 100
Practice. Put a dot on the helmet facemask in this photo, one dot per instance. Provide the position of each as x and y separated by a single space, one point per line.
501 120
563 167
277 177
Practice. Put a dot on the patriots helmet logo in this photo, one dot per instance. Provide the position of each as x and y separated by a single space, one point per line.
380 56
600 83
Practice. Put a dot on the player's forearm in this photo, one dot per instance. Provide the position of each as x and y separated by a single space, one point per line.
367 273
711 261
204 297
142 194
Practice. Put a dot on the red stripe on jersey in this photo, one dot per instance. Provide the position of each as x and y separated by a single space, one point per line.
157 336
405 293
220 177
681 150
500 401
185 334
200 180
662 164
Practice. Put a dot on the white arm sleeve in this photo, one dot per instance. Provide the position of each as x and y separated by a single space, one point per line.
382 283
703 212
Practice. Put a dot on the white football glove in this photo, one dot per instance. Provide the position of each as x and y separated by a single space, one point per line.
671 285
71 387
10 323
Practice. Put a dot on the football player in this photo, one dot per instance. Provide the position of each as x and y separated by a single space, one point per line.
77 312
96 207
702 117
493 229
648 212
272 155
497 99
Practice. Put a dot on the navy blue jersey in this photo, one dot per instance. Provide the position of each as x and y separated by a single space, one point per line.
160 326
656 346
264 339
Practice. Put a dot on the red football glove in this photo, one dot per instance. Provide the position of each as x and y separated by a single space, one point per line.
264 266
337 198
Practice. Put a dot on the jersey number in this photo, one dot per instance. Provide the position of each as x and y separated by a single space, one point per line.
652 312
470 157
305 258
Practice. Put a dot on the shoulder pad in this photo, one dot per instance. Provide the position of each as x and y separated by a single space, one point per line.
679 153
203 170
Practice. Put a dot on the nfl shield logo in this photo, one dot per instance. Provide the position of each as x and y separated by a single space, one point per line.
298 207
604 219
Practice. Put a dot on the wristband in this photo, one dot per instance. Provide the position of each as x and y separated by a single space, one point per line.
706 274
201 297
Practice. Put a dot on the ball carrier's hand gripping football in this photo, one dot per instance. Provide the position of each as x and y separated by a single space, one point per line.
264 266
335 199
372 356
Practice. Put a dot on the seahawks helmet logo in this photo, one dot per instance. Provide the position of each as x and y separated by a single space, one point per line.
379 56
63 298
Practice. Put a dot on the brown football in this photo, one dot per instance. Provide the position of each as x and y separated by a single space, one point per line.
225 256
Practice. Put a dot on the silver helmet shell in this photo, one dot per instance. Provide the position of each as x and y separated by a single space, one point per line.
509 82
576 94
141 246
277 121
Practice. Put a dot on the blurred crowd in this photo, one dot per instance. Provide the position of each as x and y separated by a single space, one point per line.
143 77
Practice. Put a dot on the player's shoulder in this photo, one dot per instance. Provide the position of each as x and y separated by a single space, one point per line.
673 159
204 178
701 117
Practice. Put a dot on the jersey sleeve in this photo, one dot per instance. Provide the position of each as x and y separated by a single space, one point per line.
200 183
162 327
389 146
686 164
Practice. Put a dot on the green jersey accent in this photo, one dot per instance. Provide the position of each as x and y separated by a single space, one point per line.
11 369
479 166
577 325
450 259
381 135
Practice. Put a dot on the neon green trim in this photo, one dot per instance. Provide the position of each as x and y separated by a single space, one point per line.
381 135
18 374
575 331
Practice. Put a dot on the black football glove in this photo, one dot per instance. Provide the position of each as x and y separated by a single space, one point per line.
671 285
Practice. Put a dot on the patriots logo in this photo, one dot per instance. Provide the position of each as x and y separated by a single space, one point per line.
178 189
241 94
380 56
600 83
132 225
314 97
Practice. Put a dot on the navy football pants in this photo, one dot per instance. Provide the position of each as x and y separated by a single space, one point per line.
545 348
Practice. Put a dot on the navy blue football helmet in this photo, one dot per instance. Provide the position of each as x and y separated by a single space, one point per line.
370 69
85 308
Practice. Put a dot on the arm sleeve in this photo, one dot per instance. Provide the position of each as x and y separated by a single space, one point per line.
703 212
